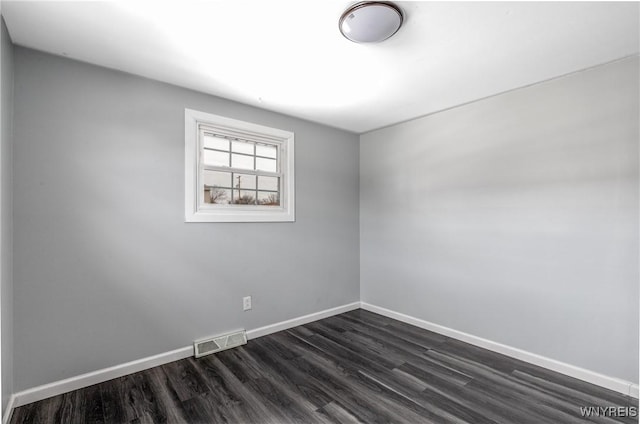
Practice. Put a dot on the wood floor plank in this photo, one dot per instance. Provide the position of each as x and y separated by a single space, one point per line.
575 395
288 375
354 346
113 400
367 399
258 409
409 332
143 397
266 386
490 359
388 393
31 413
77 407
497 410
353 364
613 398
530 401
346 385
402 351
357 367
184 379
225 398
378 320
334 413
391 335
202 409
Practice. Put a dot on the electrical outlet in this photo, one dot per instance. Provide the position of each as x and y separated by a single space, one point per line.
246 303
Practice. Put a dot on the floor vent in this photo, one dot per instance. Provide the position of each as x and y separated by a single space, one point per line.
210 345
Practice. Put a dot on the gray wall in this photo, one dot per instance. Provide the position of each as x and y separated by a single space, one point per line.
106 271
6 213
514 218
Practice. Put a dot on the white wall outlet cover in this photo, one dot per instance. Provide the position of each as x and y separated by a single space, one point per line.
246 303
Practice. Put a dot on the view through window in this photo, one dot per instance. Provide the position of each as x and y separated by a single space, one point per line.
240 172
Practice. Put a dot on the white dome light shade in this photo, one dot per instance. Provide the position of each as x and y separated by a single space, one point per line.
370 21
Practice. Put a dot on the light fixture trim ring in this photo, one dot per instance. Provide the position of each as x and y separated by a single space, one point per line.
364 4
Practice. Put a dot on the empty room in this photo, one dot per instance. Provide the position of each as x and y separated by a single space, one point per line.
319 212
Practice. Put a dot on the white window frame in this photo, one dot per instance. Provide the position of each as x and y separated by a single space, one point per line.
195 208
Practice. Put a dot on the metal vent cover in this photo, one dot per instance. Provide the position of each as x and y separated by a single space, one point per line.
215 344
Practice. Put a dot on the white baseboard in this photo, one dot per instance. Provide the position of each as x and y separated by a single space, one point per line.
612 383
84 380
294 322
6 417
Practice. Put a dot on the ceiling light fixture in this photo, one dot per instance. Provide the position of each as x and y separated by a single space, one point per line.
370 21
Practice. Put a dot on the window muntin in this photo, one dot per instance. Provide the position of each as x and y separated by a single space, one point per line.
239 172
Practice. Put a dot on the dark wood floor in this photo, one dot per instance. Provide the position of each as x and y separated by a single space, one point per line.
354 367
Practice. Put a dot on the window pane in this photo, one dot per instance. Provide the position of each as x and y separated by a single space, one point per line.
268 199
211 157
218 179
267 150
216 143
217 195
266 165
242 162
242 147
244 197
268 183
243 181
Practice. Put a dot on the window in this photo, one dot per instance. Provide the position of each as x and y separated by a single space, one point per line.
237 171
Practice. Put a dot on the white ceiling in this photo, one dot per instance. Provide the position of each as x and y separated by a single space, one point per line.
288 56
